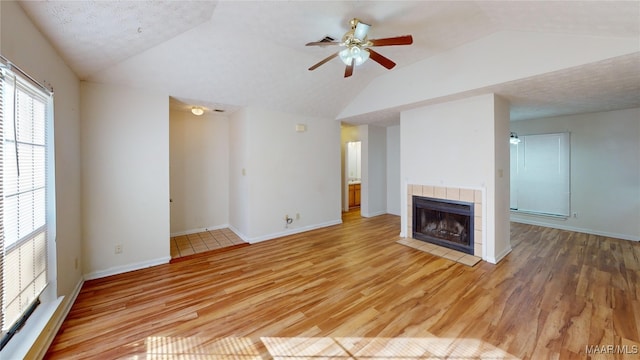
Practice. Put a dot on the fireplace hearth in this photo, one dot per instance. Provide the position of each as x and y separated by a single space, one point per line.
443 222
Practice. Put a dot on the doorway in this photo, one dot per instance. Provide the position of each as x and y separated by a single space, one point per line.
353 171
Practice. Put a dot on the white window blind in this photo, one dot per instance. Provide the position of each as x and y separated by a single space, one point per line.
540 174
23 192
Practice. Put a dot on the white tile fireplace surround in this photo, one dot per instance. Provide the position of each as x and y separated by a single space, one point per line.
450 193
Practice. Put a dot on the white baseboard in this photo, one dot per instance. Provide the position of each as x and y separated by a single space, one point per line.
195 231
576 229
126 268
237 232
368 215
499 257
261 238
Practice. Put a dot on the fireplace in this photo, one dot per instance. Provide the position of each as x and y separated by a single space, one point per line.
442 222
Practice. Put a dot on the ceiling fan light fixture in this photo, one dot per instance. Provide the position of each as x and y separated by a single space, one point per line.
197 110
358 48
361 30
354 52
513 138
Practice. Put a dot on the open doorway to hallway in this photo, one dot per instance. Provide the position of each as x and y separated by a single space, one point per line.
351 180
374 185
353 170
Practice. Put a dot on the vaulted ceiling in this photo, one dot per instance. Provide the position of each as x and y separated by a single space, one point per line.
231 54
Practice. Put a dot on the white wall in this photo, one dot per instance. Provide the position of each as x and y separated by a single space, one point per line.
605 171
199 182
125 178
394 189
455 145
502 181
24 45
286 173
239 214
373 197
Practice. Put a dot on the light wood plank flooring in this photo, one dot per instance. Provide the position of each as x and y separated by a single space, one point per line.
350 292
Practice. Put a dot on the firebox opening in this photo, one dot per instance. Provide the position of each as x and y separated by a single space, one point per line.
447 223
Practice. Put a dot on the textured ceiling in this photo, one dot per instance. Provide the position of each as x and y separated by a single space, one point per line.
93 35
606 85
602 86
230 54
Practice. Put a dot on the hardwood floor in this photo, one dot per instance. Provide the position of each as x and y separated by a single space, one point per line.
350 292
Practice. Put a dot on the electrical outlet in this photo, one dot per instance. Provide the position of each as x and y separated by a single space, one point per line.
118 249
297 216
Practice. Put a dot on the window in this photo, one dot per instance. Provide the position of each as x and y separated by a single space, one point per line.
24 111
540 174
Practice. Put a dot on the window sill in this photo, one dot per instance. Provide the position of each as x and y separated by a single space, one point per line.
23 341
539 214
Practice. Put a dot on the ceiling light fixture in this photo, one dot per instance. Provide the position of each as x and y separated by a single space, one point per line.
354 40
354 52
197 110
513 138
357 47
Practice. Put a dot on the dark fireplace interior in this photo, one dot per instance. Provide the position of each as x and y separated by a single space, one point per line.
447 223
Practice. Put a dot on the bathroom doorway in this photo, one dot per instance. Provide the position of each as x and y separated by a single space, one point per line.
353 171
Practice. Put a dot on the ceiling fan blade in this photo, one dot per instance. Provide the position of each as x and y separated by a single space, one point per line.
328 58
349 70
322 43
398 40
384 61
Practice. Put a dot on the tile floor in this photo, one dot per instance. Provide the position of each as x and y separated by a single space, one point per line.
436 250
184 245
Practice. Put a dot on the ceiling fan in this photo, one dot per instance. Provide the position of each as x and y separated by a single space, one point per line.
358 48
